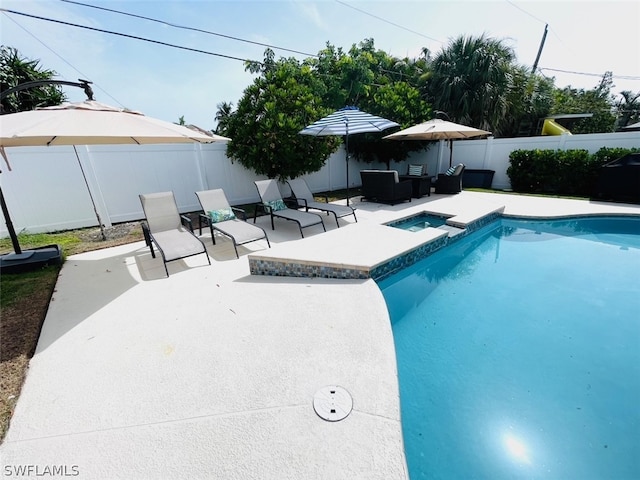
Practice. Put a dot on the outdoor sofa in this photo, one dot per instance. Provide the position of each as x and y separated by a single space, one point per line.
384 186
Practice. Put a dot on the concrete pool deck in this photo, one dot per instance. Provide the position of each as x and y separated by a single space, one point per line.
212 372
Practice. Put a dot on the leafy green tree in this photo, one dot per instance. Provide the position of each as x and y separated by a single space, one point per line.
471 81
379 84
597 101
264 128
16 70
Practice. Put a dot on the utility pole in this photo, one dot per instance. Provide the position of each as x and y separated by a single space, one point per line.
544 37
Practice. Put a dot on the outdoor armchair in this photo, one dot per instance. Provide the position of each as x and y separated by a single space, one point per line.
306 199
171 232
451 181
273 205
223 218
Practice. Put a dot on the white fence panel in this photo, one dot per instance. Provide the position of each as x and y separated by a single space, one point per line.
45 190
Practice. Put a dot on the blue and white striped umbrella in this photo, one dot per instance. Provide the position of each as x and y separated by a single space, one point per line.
348 121
344 122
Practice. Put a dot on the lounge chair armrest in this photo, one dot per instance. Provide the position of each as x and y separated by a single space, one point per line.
186 221
240 213
302 202
291 203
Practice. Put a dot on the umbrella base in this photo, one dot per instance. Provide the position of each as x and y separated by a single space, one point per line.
30 260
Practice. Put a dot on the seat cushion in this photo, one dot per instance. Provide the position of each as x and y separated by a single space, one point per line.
177 243
241 231
305 219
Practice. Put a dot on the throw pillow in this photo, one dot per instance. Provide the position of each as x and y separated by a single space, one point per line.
221 215
458 169
415 170
450 171
276 205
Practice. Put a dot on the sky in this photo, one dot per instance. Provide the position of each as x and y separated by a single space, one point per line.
584 40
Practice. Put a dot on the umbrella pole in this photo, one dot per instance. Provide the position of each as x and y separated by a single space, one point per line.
104 236
9 223
347 148
450 152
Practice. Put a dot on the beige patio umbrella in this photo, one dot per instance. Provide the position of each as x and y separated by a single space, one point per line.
85 123
438 129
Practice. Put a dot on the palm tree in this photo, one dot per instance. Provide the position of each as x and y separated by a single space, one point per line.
628 108
224 112
470 81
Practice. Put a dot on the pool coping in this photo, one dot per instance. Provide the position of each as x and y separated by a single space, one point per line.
361 251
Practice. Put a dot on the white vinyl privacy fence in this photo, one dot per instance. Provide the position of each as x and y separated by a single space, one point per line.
45 188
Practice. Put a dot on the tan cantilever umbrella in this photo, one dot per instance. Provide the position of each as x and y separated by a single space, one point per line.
437 129
86 123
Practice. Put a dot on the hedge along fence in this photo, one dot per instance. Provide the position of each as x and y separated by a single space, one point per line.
562 172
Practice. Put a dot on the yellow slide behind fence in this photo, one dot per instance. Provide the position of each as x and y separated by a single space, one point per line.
551 127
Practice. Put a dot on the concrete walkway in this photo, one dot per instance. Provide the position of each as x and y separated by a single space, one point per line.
212 372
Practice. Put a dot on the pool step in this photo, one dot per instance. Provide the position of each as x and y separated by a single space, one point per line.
453 231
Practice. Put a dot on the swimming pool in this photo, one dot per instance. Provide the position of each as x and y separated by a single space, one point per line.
518 352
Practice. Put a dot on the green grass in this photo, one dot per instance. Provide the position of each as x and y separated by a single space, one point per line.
20 285
542 195
67 240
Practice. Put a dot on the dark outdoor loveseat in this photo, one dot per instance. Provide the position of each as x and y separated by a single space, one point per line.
450 182
384 186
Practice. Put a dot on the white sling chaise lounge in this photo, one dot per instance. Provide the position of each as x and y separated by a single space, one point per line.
274 206
164 227
222 217
306 199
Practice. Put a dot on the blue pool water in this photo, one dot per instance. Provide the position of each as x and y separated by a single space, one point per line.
518 353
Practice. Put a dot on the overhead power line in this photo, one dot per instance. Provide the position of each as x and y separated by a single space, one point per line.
189 28
197 50
60 56
619 77
387 21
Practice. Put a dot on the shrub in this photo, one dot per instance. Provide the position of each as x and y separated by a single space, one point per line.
562 172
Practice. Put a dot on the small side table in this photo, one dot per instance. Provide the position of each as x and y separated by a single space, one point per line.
420 185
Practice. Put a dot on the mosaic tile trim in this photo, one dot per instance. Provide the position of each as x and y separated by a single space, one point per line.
403 261
292 269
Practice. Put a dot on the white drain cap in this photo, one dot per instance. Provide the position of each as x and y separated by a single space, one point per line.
332 403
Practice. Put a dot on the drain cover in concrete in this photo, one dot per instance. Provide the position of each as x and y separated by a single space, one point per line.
332 403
